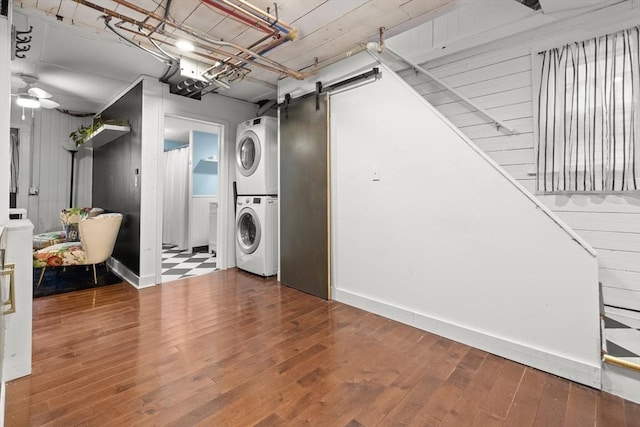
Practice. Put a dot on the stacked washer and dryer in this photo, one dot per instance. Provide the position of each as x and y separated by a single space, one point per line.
257 196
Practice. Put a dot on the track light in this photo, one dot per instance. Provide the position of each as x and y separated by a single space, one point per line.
28 101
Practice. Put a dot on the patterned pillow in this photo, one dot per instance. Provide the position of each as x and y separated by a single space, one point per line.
51 238
108 215
71 232
70 218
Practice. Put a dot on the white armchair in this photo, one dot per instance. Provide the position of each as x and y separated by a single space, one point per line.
97 240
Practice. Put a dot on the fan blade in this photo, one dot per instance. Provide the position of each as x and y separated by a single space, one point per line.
48 104
38 93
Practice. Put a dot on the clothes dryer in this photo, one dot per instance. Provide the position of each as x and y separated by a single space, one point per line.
257 234
257 156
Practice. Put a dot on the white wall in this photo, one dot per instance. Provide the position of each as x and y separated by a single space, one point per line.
498 76
47 133
445 241
5 97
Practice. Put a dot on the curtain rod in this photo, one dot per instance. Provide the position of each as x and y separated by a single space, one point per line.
636 27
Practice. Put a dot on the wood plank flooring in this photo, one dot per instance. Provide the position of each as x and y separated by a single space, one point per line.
232 349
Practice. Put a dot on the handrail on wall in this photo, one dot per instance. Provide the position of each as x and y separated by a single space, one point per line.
376 50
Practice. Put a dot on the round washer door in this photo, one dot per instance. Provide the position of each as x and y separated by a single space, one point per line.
248 230
248 153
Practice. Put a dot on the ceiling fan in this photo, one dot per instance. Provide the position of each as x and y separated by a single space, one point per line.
34 97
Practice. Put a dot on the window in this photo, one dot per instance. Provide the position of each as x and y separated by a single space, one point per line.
588 115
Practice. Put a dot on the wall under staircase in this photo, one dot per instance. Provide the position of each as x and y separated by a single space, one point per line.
498 76
446 241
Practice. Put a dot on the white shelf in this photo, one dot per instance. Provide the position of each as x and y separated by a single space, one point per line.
209 160
105 134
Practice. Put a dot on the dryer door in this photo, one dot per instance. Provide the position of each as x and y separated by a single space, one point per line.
248 153
248 230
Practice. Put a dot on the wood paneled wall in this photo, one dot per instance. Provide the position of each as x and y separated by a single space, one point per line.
50 168
501 81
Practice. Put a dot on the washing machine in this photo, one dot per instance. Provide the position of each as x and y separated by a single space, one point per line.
257 234
257 157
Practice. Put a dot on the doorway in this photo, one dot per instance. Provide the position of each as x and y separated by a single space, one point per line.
190 224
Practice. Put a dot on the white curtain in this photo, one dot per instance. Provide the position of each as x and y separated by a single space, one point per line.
174 227
588 115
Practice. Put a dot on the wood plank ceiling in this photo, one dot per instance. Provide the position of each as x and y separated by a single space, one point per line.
325 30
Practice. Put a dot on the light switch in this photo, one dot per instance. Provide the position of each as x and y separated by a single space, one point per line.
375 173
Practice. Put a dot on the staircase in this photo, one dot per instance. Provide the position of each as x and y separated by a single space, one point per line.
621 352
620 329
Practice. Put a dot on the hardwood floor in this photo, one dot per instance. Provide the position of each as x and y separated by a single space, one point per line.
229 348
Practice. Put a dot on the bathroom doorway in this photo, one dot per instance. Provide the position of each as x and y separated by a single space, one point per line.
191 177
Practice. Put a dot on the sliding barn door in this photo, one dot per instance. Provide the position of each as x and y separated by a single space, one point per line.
304 196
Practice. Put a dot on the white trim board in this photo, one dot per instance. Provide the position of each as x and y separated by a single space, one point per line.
129 276
621 382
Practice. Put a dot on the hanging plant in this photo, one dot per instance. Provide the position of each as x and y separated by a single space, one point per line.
80 135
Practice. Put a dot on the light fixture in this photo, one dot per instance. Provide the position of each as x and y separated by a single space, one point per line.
185 45
27 101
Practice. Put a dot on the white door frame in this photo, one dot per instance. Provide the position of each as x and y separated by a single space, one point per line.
223 184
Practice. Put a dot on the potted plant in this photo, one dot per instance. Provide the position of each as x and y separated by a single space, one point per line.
80 135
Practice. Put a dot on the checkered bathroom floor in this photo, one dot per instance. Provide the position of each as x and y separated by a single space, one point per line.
622 332
177 264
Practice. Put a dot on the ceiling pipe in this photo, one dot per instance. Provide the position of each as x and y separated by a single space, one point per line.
205 37
241 18
273 65
269 16
262 50
202 55
166 11
272 24
165 59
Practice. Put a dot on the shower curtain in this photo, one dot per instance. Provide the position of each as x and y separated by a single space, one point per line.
174 227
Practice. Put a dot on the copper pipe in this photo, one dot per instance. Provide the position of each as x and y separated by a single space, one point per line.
290 32
275 66
240 59
256 9
242 19
205 37
262 49
115 14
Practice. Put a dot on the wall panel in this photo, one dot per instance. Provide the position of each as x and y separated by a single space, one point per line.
442 240
501 81
46 136
117 176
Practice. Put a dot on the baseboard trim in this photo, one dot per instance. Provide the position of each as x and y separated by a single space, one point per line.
621 382
571 369
129 276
